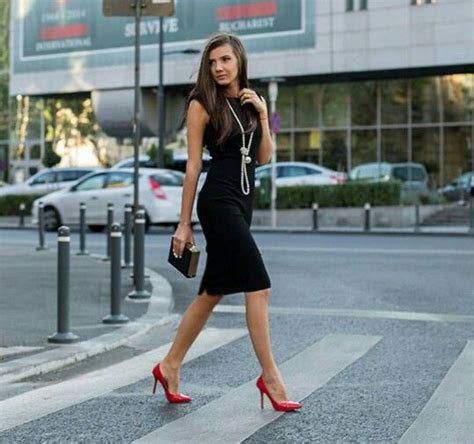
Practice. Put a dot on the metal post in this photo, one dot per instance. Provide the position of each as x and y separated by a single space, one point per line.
82 230
41 245
161 102
273 93
21 222
315 216
471 214
139 260
63 335
128 237
417 217
116 316
367 217
110 221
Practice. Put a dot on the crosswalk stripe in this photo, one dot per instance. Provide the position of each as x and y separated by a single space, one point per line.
346 312
304 373
449 414
38 403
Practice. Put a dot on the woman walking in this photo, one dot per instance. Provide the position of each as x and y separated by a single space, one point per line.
225 115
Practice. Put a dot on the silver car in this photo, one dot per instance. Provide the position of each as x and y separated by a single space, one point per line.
47 181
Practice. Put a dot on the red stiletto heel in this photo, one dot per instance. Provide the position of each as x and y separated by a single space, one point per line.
173 398
284 406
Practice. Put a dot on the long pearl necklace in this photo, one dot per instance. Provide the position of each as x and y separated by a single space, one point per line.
244 151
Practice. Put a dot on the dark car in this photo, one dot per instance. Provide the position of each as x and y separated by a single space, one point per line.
460 188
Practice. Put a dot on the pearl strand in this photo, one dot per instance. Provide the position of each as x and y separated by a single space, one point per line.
244 151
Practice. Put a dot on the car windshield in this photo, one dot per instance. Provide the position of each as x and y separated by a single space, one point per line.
403 173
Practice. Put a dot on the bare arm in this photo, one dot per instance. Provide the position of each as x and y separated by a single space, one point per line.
264 153
197 119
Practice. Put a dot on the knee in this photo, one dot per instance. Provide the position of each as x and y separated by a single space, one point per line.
210 300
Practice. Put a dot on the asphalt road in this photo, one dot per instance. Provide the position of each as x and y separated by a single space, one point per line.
387 319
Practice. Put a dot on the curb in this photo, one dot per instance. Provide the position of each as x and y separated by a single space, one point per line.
158 314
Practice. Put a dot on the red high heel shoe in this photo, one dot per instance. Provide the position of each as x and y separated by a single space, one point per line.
173 398
284 406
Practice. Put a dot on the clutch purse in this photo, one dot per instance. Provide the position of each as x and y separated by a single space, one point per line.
188 263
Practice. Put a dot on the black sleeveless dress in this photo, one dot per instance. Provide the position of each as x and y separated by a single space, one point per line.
234 263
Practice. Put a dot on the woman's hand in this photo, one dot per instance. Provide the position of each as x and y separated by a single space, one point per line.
182 236
249 96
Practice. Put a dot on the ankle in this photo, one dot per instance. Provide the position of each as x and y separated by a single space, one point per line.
171 365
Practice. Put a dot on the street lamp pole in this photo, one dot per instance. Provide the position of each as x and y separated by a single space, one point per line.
161 103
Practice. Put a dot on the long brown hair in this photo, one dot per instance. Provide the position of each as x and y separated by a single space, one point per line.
211 95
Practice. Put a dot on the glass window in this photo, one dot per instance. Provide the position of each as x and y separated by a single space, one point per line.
307 146
284 103
292 171
364 103
169 179
306 106
405 173
91 183
70 175
119 180
457 151
363 5
263 172
364 143
48 177
349 5
283 146
334 99
426 98
312 171
458 91
335 150
394 145
394 101
425 150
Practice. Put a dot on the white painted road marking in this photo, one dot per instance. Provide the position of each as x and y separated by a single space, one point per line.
382 314
38 403
448 417
304 373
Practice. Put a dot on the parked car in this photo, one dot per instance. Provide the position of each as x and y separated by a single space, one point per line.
459 188
413 176
300 173
179 164
160 194
47 181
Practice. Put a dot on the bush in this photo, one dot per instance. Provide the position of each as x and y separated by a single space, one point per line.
351 194
10 203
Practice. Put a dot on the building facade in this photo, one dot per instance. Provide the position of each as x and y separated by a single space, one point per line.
360 80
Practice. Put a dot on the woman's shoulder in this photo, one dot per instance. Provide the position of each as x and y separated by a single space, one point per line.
196 110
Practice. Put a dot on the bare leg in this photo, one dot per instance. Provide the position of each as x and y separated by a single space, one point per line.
194 319
256 312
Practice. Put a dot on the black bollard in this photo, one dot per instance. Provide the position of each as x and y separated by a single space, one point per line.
21 222
110 221
127 239
82 230
417 217
63 335
42 245
367 217
116 316
139 260
315 216
471 214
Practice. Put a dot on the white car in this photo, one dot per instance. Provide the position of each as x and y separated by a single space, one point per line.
160 195
300 173
47 181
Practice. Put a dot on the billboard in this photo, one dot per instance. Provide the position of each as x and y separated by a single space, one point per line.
66 35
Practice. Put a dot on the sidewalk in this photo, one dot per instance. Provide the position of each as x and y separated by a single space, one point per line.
28 304
11 222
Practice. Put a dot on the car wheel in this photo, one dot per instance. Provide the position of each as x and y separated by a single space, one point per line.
52 221
96 228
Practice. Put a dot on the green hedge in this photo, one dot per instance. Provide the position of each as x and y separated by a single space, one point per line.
10 204
351 194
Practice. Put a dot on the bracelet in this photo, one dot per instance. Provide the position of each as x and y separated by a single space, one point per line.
184 223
